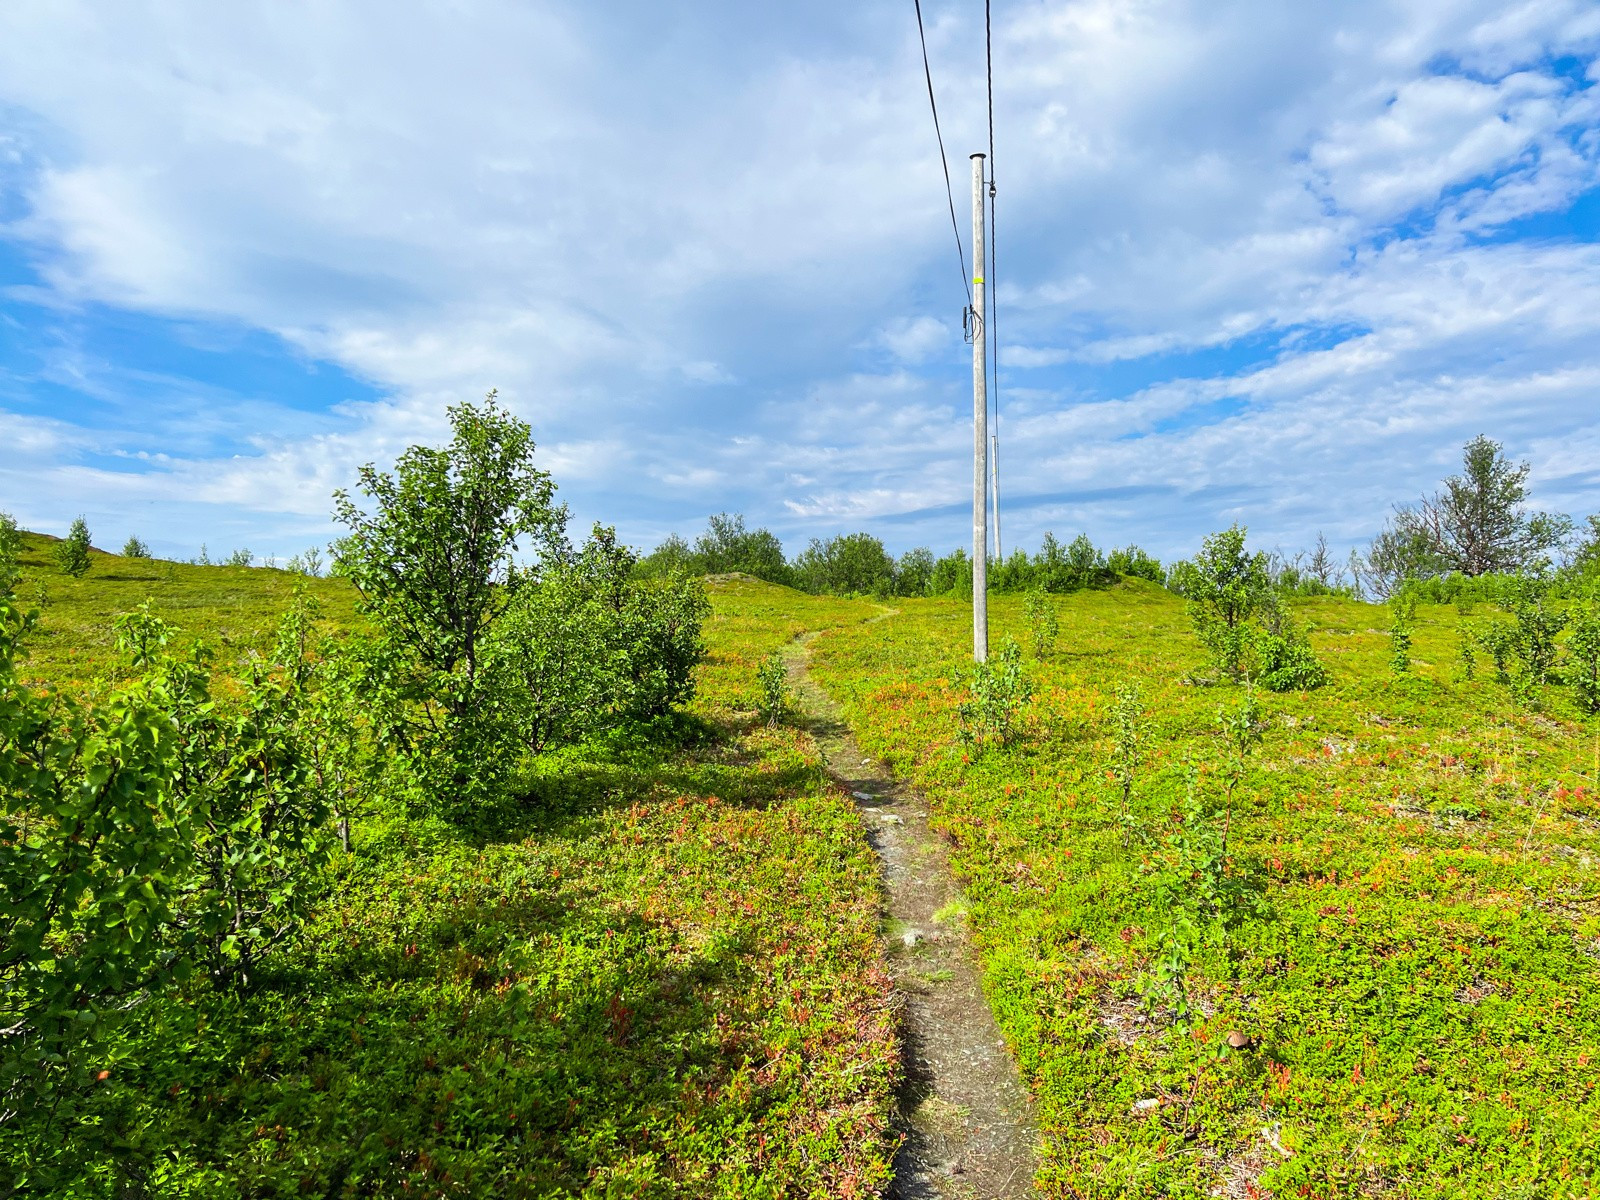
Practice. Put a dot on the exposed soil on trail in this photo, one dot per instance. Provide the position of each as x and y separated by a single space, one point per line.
966 1118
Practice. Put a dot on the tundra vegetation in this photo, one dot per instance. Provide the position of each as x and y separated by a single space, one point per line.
484 882
473 861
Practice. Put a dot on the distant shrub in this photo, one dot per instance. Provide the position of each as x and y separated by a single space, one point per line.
308 562
727 545
239 558
913 573
850 564
1582 666
772 677
135 547
997 691
1068 569
952 576
10 549
203 559
72 552
1135 563
671 557
1043 624
1226 586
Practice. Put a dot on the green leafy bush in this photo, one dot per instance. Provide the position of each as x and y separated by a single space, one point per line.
1524 650
952 576
1225 586
1533 642
1130 728
772 677
998 690
72 552
135 547
1582 666
1043 624
169 829
850 564
913 573
1134 563
589 644
308 562
1284 661
1402 625
728 546
1201 894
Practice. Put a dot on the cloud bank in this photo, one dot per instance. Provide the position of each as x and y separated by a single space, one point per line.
1257 262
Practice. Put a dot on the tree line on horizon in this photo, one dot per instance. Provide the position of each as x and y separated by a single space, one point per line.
1453 544
1460 542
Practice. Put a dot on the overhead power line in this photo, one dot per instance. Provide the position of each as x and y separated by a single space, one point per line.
993 323
944 161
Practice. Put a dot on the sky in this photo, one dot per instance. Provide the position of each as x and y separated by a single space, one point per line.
1256 262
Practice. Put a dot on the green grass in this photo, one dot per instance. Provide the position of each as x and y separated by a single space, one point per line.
230 607
660 977
1421 988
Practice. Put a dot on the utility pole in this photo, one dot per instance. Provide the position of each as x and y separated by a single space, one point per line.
980 428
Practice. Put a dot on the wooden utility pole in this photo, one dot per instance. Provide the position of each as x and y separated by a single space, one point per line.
980 428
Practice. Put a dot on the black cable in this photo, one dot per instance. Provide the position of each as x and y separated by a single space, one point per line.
994 290
944 160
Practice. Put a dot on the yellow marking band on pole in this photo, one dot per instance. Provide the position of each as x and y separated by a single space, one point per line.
977 279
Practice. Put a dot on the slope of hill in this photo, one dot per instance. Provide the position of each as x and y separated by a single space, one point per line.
660 976
1397 914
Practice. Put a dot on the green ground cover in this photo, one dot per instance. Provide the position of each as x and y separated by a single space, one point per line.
1416 870
659 975
226 606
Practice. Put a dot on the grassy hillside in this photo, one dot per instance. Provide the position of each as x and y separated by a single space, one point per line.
1416 961
659 977
224 605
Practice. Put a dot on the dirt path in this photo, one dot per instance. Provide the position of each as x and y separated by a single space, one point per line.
966 1118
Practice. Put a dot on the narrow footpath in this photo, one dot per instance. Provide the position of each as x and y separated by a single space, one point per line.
966 1118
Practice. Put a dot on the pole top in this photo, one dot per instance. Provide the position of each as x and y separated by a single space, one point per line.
978 154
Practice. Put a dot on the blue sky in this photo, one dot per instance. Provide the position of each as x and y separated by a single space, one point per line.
1259 262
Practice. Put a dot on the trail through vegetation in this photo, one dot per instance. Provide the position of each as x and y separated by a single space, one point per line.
1335 942
965 1116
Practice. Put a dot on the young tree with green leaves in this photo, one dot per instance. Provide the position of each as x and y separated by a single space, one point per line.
1226 586
72 552
165 830
433 557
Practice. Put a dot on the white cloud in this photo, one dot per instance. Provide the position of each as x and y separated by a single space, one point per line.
915 339
688 278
